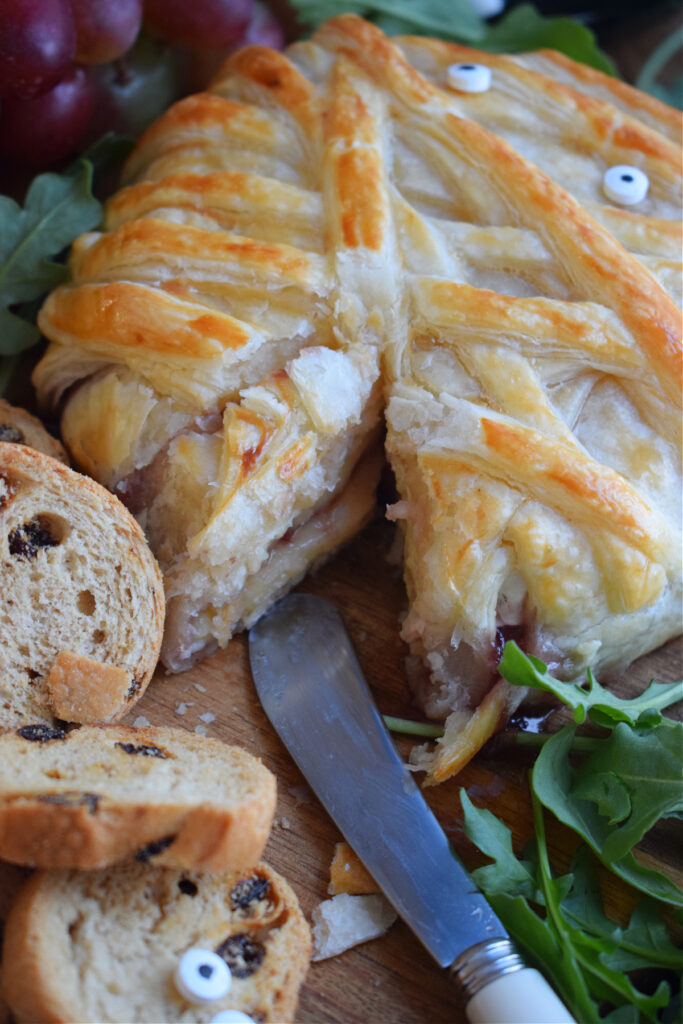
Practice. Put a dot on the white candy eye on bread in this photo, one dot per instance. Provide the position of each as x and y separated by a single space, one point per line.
104 946
102 794
338 221
82 602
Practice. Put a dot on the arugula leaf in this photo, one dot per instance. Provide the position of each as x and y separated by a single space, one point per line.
625 781
561 926
445 18
107 152
634 779
645 940
533 932
492 837
648 76
554 780
58 207
521 28
590 698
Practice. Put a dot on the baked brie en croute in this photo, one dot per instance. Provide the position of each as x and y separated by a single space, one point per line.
338 228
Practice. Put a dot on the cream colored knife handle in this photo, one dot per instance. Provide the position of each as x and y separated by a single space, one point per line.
524 997
499 989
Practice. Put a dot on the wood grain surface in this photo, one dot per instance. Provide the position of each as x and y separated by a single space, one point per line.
391 979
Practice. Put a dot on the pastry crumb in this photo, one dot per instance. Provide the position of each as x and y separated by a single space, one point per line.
346 921
141 722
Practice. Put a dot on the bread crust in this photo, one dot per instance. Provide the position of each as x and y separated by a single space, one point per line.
98 796
42 949
79 583
30 431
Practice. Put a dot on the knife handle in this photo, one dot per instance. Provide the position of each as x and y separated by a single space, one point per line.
499 989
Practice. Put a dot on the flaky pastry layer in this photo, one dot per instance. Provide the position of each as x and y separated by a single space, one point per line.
336 227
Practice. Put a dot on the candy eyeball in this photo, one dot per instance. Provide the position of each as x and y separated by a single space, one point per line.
469 77
625 185
231 1017
202 976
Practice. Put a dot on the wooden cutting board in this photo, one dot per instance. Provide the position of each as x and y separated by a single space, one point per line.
391 979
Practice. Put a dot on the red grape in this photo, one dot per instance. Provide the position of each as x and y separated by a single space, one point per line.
200 23
105 29
45 128
264 29
134 91
37 45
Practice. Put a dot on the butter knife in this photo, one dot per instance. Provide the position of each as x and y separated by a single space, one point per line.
313 691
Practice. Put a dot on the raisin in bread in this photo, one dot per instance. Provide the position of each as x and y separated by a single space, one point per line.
103 946
101 794
82 602
19 427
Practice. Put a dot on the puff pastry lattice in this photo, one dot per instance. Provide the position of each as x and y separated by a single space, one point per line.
333 228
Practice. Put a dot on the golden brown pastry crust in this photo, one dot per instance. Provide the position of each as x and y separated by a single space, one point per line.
531 365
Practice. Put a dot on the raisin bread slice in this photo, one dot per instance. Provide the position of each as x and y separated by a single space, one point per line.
103 946
101 794
17 426
82 602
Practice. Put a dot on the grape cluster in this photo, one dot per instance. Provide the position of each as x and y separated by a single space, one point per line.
71 70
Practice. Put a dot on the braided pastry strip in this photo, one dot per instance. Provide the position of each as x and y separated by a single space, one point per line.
321 216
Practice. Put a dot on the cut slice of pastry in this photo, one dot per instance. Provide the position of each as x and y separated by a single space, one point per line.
224 335
106 945
339 208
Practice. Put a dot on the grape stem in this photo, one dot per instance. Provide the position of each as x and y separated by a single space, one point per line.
123 75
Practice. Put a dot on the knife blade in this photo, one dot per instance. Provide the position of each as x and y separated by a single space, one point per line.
313 691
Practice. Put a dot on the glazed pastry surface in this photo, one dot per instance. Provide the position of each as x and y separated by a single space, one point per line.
335 228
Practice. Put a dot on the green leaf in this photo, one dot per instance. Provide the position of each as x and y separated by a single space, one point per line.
643 943
539 941
111 149
16 335
523 28
445 18
635 779
648 75
590 698
601 980
58 207
492 837
553 782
